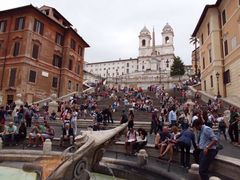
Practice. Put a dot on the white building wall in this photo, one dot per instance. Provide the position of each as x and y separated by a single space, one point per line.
113 68
145 62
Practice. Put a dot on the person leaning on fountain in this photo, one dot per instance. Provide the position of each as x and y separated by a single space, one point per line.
67 134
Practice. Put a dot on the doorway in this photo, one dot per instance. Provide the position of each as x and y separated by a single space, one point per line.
10 99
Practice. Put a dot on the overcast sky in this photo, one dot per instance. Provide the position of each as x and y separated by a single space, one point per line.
111 27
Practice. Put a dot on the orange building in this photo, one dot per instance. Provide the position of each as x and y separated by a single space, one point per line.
218 31
40 54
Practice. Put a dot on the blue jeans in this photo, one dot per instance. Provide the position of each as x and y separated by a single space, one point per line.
205 161
173 122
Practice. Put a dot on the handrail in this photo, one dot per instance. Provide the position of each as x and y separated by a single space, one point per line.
63 97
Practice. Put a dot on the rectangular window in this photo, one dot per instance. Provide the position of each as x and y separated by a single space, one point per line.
32 76
127 71
19 23
211 81
16 48
55 82
203 63
208 28
3 25
226 47
210 55
78 69
12 78
80 49
73 44
127 64
35 51
70 64
57 61
226 77
69 84
77 87
205 85
202 39
59 39
224 19
234 42
38 27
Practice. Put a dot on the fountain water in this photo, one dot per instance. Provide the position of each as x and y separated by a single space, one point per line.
110 170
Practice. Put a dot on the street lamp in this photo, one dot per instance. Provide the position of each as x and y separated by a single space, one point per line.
218 92
116 75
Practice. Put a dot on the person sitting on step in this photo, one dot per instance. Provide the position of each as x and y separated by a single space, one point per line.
131 139
67 134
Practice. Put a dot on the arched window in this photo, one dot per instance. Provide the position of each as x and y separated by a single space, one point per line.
143 42
167 63
166 40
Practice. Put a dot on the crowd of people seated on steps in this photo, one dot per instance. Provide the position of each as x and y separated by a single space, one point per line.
178 125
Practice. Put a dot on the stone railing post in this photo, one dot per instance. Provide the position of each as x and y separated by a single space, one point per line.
47 146
193 172
142 157
214 178
53 105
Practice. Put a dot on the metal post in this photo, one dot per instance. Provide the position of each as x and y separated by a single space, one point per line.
218 91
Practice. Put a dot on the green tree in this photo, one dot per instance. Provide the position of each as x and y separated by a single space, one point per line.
177 68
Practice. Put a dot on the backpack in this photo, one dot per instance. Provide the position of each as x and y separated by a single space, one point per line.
27 115
222 124
124 118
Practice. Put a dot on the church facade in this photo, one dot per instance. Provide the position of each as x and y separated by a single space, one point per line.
154 57
154 60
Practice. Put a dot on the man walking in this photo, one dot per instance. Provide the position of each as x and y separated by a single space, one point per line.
207 146
172 116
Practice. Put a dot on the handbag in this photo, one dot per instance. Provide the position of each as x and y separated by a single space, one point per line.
219 147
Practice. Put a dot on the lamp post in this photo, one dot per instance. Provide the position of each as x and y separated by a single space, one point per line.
116 75
218 92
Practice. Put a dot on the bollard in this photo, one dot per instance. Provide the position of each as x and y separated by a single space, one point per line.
214 178
47 146
1 143
193 172
142 157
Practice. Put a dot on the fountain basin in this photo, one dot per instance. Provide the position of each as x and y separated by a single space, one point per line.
16 174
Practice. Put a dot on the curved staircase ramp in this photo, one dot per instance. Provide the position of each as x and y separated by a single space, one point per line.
87 152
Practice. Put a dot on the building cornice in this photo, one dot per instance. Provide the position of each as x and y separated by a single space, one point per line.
203 15
31 7
113 61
